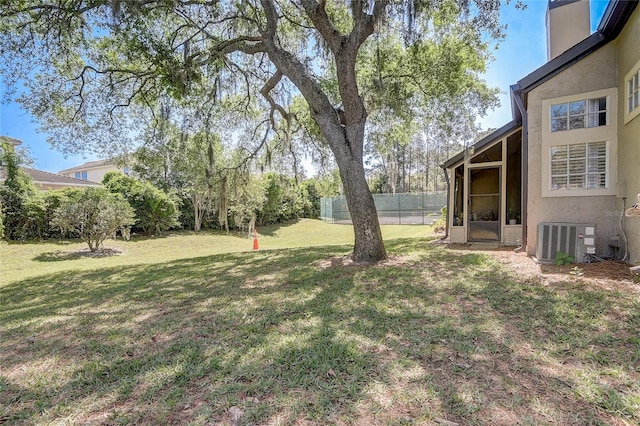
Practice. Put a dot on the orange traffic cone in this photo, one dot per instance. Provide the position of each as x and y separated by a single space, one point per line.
255 240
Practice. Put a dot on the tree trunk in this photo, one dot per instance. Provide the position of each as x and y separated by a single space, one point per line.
198 211
342 127
368 246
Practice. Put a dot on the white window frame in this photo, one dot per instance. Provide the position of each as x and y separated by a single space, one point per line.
633 113
586 160
587 114
608 134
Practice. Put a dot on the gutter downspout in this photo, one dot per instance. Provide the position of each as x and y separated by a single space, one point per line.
515 94
446 223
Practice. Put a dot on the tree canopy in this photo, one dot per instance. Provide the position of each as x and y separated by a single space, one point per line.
95 70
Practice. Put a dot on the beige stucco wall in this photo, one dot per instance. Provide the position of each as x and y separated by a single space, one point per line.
567 25
628 44
597 71
94 174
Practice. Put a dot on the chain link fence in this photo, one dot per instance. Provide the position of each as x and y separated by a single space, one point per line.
393 209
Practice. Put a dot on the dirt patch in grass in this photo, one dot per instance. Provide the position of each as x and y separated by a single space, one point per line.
609 274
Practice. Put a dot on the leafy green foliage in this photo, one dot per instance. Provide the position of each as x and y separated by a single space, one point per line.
185 163
310 199
246 200
84 62
155 211
52 200
94 214
563 258
19 200
287 199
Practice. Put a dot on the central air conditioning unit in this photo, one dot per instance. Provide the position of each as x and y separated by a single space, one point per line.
575 239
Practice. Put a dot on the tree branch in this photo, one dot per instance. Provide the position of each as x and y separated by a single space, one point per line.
323 24
266 93
363 23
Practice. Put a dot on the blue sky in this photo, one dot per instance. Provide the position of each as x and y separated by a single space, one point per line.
523 51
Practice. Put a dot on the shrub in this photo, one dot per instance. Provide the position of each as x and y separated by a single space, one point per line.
563 258
155 211
51 201
94 214
21 203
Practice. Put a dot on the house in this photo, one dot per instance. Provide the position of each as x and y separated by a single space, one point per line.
46 180
93 171
10 142
52 181
562 173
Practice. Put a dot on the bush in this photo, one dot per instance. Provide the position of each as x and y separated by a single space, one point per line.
94 214
51 201
310 199
285 199
22 207
155 211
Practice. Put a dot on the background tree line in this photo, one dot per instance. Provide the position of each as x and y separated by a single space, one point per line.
302 76
157 206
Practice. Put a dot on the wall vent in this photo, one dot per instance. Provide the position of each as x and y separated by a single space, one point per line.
576 239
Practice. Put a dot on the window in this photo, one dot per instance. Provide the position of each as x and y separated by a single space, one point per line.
81 175
579 166
633 92
579 114
581 162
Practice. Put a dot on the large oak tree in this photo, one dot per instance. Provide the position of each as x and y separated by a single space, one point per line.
87 62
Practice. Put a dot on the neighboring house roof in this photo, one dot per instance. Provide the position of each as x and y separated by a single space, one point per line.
12 141
89 165
41 177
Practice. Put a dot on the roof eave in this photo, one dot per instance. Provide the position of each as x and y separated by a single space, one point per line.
492 137
615 16
67 184
613 21
560 63
90 165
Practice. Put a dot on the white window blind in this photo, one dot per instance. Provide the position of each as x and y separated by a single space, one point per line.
579 166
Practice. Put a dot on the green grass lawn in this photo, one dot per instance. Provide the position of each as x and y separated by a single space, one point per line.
198 329
21 261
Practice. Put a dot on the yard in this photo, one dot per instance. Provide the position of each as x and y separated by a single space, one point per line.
197 329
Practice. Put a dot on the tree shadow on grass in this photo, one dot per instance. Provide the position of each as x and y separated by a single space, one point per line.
280 339
59 256
272 230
